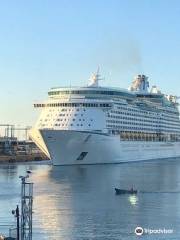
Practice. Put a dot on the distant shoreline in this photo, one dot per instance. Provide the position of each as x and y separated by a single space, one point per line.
22 158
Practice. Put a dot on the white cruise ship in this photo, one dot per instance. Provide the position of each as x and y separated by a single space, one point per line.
94 124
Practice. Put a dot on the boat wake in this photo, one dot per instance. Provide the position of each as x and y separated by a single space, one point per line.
159 192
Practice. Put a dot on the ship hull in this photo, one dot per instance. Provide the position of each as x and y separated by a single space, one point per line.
67 147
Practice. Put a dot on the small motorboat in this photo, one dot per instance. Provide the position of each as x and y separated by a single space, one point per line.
124 191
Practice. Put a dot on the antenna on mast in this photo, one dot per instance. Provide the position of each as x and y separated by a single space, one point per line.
94 80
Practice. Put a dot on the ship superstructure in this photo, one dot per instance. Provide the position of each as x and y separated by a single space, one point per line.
94 124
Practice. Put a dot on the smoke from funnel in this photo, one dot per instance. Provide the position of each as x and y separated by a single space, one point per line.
120 56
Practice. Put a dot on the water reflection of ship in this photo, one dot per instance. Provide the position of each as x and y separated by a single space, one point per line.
82 197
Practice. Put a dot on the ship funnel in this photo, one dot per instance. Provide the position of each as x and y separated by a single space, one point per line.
140 84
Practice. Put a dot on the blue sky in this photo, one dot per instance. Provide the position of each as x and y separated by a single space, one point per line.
58 43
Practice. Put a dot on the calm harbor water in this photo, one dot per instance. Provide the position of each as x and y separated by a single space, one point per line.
78 202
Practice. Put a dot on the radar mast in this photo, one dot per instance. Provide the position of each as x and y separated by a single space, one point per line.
94 80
